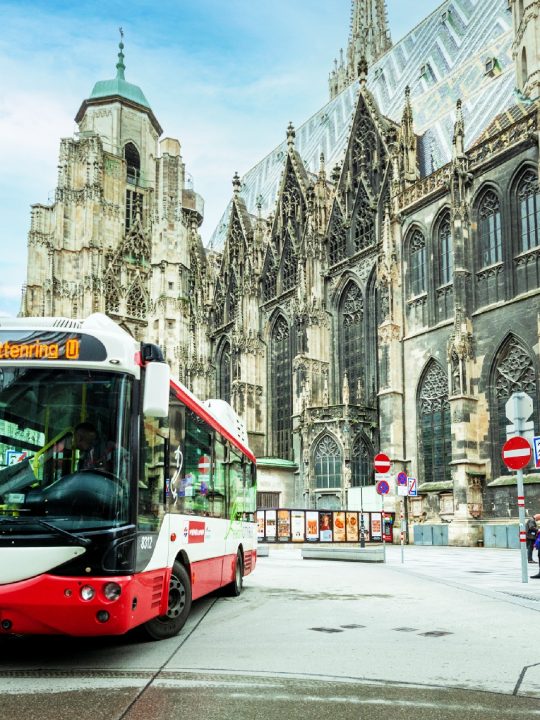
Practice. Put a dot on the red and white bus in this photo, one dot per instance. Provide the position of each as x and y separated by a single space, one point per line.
122 497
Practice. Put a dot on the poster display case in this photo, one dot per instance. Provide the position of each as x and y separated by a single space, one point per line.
328 526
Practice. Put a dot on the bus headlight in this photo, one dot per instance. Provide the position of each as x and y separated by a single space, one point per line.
112 591
87 592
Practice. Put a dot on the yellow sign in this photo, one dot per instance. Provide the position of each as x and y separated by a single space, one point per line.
40 351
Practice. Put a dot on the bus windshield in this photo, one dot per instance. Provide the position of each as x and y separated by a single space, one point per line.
64 449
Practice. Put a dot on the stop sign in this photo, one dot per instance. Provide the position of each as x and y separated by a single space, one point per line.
382 463
516 453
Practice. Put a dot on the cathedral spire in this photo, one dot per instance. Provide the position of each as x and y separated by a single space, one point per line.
369 38
120 67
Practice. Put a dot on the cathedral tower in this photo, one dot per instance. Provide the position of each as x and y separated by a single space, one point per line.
119 236
369 37
526 47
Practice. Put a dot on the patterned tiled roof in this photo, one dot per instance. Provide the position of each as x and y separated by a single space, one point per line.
442 60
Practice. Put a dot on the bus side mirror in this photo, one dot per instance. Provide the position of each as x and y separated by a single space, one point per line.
157 378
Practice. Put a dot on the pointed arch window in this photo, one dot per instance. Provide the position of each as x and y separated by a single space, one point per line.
362 472
112 296
269 279
351 332
417 264
489 216
133 163
136 303
219 305
528 192
281 389
514 371
328 462
434 420
289 266
224 372
446 250
337 241
232 297
364 226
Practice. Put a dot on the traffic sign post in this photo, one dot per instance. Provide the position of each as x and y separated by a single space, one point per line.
382 463
383 488
516 454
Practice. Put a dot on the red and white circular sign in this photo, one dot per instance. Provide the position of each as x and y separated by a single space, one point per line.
204 465
516 453
382 463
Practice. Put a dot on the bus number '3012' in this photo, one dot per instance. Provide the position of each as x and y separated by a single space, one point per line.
147 542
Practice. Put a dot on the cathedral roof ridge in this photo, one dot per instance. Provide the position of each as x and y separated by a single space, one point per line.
441 59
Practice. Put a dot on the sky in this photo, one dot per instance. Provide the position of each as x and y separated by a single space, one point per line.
224 77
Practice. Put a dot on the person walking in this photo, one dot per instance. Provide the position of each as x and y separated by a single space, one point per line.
531 530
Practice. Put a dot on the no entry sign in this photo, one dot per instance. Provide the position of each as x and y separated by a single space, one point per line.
381 463
516 453
204 465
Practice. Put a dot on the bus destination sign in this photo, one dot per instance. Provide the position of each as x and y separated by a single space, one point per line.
50 346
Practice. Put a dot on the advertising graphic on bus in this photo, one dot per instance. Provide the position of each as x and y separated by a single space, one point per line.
122 496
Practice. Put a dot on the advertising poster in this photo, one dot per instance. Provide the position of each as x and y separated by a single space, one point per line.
352 527
271 524
325 526
298 531
260 524
312 526
339 527
376 529
284 525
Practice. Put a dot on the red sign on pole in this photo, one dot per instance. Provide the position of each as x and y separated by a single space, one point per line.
382 463
204 465
516 453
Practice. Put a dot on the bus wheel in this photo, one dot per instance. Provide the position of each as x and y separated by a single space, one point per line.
166 626
235 588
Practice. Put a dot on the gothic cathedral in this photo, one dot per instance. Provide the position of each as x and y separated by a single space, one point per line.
374 283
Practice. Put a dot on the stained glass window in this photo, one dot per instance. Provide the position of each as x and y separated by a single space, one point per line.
417 264
328 463
435 430
361 463
364 227
514 371
289 265
337 242
529 211
446 250
224 372
136 302
112 297
489 212
281 389
351 315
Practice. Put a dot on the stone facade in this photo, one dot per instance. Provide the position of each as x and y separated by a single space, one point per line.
121 236
375 281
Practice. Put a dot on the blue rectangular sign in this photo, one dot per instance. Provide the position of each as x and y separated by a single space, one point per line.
536 449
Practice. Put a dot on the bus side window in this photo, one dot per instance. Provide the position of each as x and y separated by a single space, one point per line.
176 452
250 494
196 477
152 480
237 488
217 494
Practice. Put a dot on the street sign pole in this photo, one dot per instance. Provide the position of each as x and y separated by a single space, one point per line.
382 529
402 528
518 409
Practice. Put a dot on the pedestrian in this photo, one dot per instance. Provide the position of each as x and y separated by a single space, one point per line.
531 530
537 546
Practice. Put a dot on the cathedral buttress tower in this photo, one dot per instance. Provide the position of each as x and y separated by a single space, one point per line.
369 38
526 47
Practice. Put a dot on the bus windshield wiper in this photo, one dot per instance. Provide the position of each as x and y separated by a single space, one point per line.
75 539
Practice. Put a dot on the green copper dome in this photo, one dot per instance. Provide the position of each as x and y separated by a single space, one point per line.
119 85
